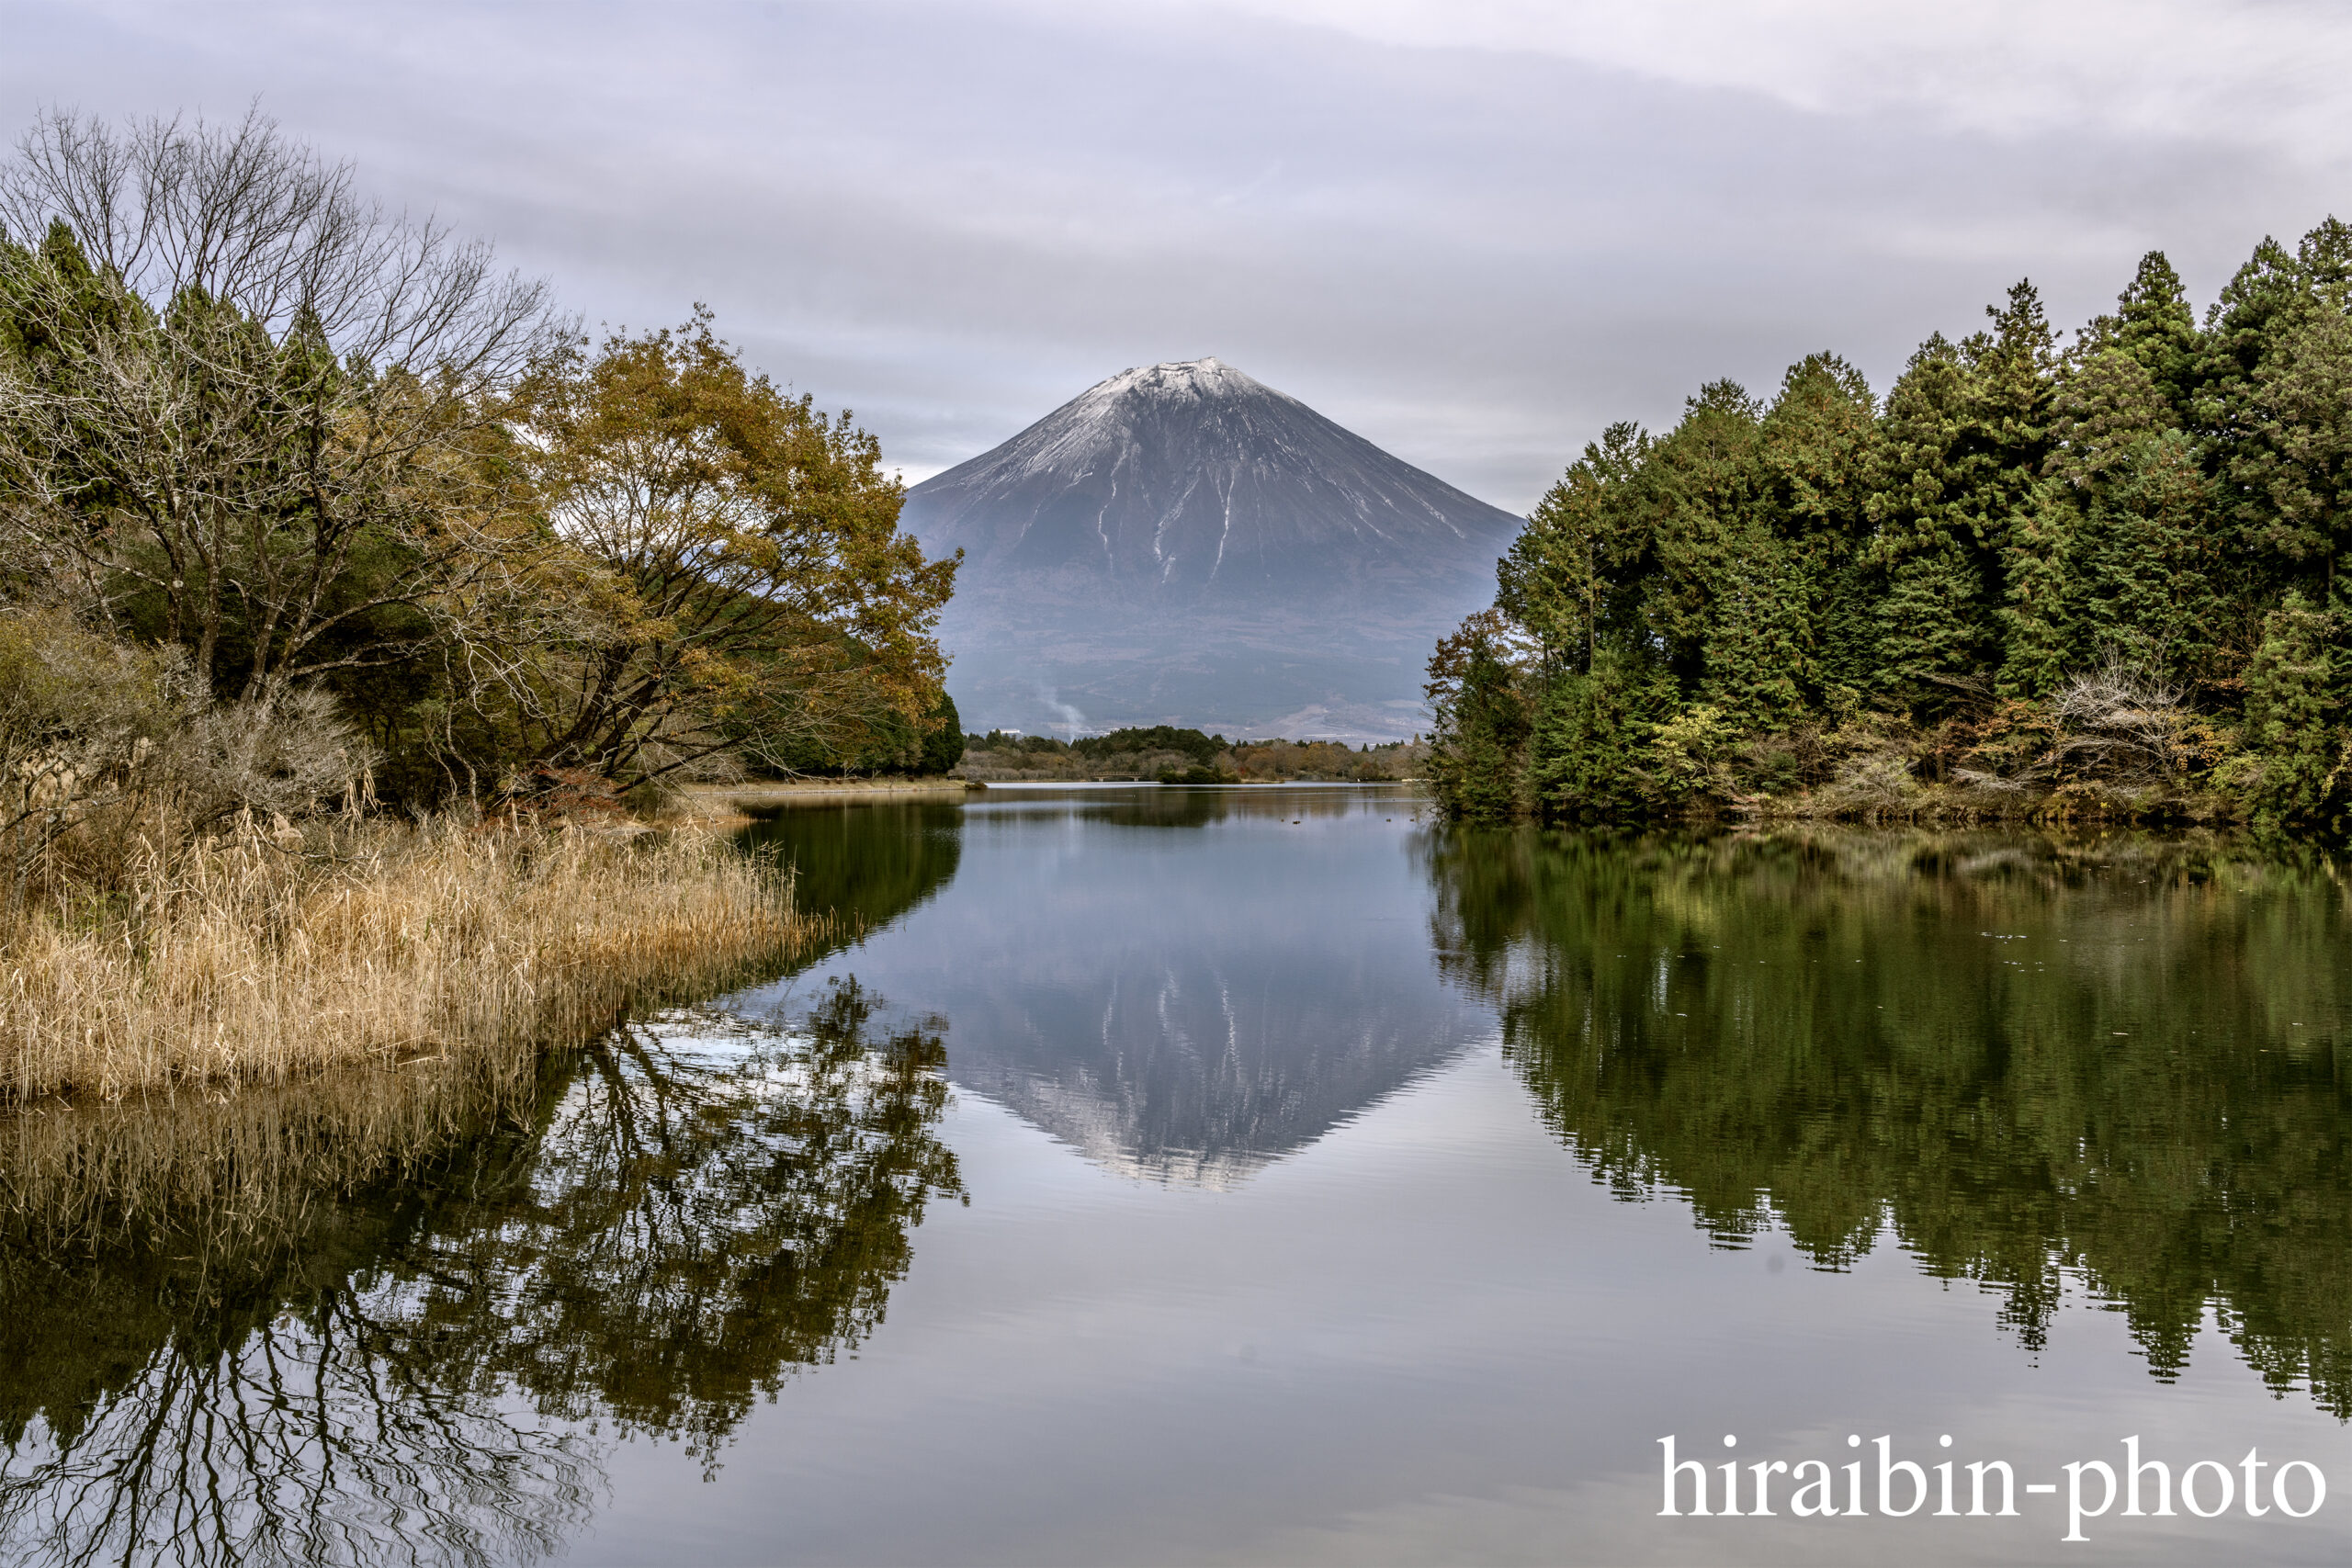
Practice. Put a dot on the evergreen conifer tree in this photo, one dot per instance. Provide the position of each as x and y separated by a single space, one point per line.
1967 430
2291 466
2238 331
1564 578
2116 551
1694 489
1935 619
2154 324
2323 260
2041 612
1581 755
2147 560
2259 303
1758 647
1816 449
2294 718
2011 519
1479 743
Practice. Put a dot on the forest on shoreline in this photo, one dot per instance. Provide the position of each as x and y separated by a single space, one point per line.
2039 578
301 497
354 602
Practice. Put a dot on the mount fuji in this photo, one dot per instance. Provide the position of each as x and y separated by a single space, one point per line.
1181 544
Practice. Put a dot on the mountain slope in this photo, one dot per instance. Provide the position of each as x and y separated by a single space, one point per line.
1183 544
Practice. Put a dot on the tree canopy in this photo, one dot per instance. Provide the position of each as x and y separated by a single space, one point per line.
1977 583
315 452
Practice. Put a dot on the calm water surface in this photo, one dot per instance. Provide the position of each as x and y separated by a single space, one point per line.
1268 1175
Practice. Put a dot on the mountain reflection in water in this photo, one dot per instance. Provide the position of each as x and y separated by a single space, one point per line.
2018 1059
432 1368
1183 984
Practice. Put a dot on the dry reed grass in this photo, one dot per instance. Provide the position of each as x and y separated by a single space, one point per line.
257 958
219 1174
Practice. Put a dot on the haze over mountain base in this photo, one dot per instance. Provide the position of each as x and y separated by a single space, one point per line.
1234 674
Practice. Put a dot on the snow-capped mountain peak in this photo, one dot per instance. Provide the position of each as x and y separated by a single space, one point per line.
1180 496
1193 478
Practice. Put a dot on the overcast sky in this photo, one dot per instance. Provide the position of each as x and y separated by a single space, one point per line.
1473 232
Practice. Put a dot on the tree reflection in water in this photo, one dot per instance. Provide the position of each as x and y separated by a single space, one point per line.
2122 1062
432 1370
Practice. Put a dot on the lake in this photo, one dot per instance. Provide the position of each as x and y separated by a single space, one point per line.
1273 1175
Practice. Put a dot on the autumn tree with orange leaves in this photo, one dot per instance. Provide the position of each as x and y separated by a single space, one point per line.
724 575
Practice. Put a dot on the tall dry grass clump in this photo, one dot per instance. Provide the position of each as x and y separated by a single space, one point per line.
269 955
225 1173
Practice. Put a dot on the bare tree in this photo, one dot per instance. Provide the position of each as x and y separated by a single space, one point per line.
2124 720
245 404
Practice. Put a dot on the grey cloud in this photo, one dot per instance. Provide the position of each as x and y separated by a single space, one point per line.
2255 73
954 218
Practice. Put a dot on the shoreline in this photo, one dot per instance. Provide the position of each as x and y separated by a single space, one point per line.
736 806
730 804
1226 783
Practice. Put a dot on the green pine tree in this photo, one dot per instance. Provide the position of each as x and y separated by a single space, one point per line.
2259 303
2114 553
2148 562
2294 719
1817 448
1694 488
2040 615
2153 325
1935 619
2292 464
1479 743
1566 577
1758 644
1580 753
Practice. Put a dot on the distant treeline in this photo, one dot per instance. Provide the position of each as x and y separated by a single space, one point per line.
1173 755
2090 579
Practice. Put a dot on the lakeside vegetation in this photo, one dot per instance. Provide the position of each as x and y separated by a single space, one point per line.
2096 580
264 956
325 473
1173 755
352 599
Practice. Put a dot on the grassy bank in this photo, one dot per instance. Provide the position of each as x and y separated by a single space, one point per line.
734 804
265 957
